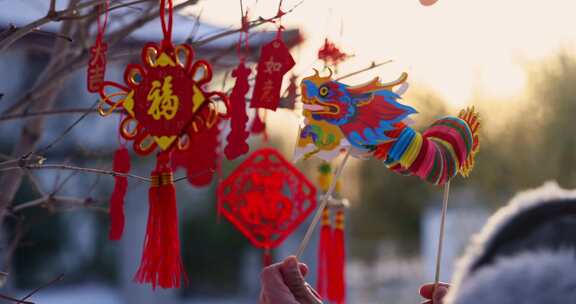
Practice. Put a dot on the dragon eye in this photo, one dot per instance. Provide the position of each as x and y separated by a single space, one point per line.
324 91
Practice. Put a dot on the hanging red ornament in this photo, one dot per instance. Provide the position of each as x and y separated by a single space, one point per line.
266 198
199 154
97 62
121 165
161 263
324 252
292 93
330 54
275 61
164 101
258 125
238 118
337 290
331 283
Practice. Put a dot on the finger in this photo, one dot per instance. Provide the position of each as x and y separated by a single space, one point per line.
427 290
313 291
439 294
295 281
274 290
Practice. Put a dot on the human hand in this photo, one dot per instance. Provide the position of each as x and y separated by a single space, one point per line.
283 283
434 296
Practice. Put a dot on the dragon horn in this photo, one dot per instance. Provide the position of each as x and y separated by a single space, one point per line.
330 70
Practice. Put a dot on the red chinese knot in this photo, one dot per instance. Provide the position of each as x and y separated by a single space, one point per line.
266 198
164 97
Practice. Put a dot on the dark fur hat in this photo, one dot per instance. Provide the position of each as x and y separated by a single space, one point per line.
526 253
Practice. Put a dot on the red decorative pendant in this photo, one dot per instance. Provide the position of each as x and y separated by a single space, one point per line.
237 138
199 155
97 66
166 107
97 62
331 54
290 100
266 198
275 61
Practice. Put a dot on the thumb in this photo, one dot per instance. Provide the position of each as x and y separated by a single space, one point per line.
439 294
294 279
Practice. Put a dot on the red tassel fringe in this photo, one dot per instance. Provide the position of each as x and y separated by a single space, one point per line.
267 258
161 263
337 288
324 253
258 125
121 165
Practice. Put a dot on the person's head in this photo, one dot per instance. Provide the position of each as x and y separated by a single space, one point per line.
526 253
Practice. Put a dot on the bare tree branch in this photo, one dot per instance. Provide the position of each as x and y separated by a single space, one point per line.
54 281
67 130
51 16
52 199
372 66
74 168
66 58
10 117
11 299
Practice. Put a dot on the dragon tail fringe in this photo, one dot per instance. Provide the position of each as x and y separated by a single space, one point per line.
443 150
472 118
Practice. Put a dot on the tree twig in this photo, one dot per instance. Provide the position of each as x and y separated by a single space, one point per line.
372 66
67 130
74 168
53 281
51 16
11 299
52 198
51 112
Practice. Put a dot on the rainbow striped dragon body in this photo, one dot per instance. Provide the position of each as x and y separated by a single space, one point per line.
370 120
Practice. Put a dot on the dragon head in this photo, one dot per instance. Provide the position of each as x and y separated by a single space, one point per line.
336 103
326 99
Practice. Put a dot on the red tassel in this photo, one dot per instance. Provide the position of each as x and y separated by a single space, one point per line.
324 257
161 263
337 289
121 165
258 126
267 258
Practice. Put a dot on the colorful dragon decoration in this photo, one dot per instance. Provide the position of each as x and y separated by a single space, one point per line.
369 119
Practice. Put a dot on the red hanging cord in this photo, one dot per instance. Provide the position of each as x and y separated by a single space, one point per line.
167 26
101 24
